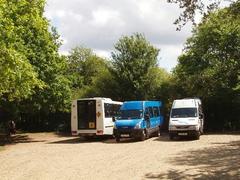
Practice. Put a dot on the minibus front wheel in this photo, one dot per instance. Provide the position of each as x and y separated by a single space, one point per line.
117 139
171 136
143 135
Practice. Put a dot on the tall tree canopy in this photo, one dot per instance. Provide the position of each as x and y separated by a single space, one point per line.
17 76
192 7
85 68
32 73
134 61
210 66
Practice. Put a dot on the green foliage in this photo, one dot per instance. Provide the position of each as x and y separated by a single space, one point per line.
191 8
32 73
210 66
133 59
18 77
85 70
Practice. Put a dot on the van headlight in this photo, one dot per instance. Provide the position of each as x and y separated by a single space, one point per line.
171 127
138 126
194 127
114 126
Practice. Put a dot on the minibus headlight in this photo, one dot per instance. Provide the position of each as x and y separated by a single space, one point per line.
194 127
138 126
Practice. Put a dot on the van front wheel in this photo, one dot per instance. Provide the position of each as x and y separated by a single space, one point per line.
197 135
171 136
143 135
117 139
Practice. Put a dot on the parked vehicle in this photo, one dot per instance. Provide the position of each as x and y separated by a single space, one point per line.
186 118
93 116
138 119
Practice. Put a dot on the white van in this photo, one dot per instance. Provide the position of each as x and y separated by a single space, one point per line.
93 116
186 118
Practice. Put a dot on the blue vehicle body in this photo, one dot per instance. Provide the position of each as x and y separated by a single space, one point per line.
138 119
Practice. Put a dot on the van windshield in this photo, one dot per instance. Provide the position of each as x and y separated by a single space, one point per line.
184 112
130 114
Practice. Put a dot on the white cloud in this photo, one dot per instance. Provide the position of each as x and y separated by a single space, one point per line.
99 24
167 56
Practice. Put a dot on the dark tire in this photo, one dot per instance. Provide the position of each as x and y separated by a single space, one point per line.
171 136
117 139
157 133
201 131
143 135
89 138
197 135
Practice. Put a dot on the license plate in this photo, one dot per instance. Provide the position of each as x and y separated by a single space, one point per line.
125 135
182 134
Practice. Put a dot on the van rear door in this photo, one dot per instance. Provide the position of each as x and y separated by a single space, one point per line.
86 114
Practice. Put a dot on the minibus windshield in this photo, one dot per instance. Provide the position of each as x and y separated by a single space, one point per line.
184 112
130 114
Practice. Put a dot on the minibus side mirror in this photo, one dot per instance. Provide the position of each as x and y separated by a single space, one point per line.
113 119
146 117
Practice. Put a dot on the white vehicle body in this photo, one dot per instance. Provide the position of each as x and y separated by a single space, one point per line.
93 116
186 118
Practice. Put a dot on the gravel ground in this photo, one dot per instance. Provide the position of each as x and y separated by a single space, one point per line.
48 156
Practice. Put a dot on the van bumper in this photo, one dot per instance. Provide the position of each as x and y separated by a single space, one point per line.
130 132
184 133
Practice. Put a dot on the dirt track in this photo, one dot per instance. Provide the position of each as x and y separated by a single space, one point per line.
47 156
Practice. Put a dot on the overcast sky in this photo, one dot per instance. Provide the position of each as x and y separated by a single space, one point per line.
98 24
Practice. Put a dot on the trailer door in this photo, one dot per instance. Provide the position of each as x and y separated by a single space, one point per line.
86 114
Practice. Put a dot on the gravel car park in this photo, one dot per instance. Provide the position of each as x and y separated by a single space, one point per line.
49 156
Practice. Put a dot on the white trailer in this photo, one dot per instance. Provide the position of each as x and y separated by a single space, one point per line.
186 118
93 116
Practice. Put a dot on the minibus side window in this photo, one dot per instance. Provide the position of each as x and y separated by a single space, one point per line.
116 108
161 110
150 111
107 110
155 111
111 110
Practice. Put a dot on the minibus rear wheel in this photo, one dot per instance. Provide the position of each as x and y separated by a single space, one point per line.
159 132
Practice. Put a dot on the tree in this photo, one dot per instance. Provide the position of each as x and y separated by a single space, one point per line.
133 59
210 66
31 61
191 7
85 68
18 77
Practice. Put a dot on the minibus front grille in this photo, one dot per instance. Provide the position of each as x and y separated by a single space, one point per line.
182 127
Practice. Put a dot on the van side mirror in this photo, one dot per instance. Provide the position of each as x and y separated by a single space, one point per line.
146 117
113 119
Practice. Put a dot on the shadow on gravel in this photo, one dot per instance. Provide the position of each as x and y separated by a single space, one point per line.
79 140
106 140
165 138
16 139
219 162
122 140
67 141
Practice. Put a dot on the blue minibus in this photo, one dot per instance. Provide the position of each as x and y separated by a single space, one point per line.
138 119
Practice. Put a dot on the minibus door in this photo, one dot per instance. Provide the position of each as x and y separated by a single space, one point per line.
86 114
